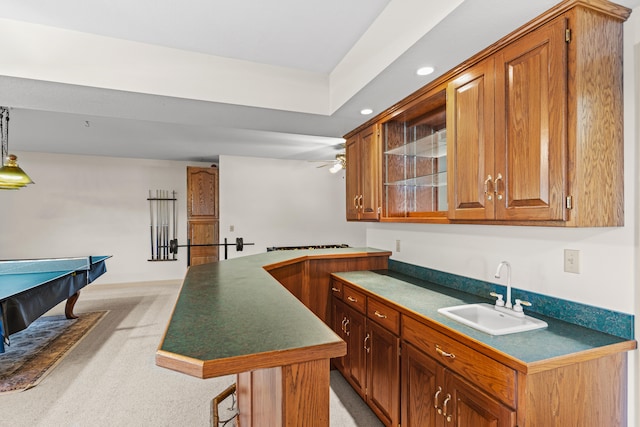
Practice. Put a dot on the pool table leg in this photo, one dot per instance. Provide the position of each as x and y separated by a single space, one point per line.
71 302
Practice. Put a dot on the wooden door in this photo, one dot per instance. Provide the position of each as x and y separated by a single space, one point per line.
370 173
339 318
470 143
202 189
383 373
531 88
356 364
469 406
202 233
352 177
420 392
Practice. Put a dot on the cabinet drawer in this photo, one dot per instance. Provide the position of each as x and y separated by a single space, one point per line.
487 374
336 289
354 298
384 315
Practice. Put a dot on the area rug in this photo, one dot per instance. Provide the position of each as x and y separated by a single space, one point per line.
35 351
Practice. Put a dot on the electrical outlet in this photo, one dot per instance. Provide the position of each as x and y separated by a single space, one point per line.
572 261
397 245
231 228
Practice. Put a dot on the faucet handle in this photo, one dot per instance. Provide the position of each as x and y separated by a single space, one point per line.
519 303
499 301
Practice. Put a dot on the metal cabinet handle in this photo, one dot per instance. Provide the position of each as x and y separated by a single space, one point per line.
444 408
365 343
355 202
443 353
335 289
360 203
352 299
435 400
486 187
380 315
498 179
344 327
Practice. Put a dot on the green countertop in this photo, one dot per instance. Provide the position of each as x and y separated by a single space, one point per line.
235 308
423 298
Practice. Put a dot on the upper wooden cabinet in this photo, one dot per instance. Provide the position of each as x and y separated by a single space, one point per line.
534 131
415 160
202 192
363 152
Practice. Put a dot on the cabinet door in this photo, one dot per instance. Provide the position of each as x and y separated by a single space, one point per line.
470 134
468 406
339 318
202 233
371 164
202 189
420 394
356 366
352 177
363 175
383 373
531 87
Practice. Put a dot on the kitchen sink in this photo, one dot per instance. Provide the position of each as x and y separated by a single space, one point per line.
485 318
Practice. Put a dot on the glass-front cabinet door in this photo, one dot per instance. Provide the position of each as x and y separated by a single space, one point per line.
415 161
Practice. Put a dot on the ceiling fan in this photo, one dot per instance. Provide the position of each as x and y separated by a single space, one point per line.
337 164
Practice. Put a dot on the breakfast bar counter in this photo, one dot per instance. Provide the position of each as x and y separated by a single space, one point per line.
233 317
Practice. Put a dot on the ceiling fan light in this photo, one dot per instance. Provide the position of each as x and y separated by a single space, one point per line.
336 168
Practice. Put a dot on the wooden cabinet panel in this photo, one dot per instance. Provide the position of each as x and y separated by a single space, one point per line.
471 407
530 125
383 314
419 388
354 298
356 362
202 233
291 276
202 189
363 177
471 143
383 373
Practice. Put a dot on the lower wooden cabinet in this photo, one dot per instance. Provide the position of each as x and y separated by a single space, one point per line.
432 395
372 363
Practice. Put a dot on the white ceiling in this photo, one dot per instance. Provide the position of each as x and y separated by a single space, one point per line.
312 66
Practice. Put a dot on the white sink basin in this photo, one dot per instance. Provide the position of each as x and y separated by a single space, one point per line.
485 318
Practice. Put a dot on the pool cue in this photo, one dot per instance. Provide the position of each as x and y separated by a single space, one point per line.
175 219
157 223
151 222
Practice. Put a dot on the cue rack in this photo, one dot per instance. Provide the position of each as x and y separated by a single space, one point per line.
163 224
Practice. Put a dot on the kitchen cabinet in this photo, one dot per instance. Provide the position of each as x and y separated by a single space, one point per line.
415 160
202 214
450 378
363 181
513 169
433 394
534 130
372 363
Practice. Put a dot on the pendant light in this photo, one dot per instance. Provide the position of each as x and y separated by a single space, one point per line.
12 177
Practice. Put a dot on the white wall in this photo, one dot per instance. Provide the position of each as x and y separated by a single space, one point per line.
609 257
82 205
273 202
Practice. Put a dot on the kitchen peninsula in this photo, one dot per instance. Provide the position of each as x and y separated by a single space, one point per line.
232 317
250 316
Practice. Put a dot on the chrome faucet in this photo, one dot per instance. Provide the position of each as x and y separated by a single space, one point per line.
507 303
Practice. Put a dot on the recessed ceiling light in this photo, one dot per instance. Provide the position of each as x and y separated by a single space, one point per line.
366 111
424 71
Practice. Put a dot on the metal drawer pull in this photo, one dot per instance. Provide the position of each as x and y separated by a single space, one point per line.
335 289
365 343
352 299
344 320
497 189
444 408
435 400
486 187
380 315
443 353
346 331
